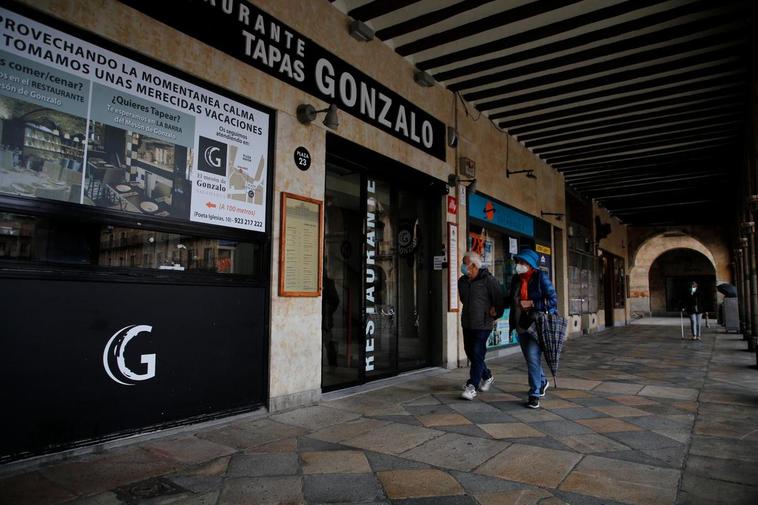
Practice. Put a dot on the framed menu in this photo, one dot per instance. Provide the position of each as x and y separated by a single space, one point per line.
300 247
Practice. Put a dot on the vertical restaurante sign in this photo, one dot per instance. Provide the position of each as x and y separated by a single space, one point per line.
249 34
371 206
83 124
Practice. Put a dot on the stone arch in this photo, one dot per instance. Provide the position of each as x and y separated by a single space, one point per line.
670 276
647 253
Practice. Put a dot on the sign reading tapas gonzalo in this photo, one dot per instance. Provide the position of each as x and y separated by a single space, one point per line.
87 125
257 38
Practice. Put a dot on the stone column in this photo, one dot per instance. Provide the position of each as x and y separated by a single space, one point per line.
751 258
742 295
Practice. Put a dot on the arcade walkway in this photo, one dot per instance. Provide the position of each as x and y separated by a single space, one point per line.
640 417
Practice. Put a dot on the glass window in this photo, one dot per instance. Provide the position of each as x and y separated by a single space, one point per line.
45 240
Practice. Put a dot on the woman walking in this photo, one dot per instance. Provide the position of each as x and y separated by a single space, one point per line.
531 292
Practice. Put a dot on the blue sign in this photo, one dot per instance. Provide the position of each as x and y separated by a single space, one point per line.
498 214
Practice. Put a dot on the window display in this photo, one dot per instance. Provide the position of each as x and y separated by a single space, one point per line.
46 240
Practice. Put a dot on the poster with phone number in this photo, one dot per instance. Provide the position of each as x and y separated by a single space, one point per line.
87 125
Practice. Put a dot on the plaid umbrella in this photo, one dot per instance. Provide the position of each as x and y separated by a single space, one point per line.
550 332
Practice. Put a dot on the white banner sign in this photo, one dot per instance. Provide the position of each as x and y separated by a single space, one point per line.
86 125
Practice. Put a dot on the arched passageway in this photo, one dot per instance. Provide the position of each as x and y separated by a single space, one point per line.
640 289
670 276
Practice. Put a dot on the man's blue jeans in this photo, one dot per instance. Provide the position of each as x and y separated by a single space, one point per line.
533 355
475 345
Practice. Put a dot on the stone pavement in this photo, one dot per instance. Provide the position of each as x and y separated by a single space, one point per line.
640 417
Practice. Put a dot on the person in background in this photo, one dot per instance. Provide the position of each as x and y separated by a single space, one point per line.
329 304
693 305
531 292
482 305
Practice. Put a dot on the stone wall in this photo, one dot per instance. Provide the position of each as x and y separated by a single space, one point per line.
295 339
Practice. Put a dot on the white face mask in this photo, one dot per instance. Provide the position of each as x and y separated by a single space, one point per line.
521 269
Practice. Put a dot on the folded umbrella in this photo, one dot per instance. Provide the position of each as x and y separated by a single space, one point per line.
550 332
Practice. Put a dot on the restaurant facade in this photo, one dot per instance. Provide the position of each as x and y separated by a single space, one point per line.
183 239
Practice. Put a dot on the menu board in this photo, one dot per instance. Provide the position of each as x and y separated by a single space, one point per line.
83 124
300 251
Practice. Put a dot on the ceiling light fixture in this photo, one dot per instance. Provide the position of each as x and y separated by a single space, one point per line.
529 173
508 173
558 215
360 31
424 79
454 180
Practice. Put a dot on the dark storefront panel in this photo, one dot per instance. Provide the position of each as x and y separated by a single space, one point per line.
134 253
583 264
71 372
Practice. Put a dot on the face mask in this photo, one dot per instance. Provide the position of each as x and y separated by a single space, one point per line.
692 290
464 269
521 269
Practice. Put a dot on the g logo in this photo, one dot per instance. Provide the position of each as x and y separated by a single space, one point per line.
404 238
213 156
114 355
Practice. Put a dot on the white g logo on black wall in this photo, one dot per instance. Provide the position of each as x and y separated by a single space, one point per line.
114 354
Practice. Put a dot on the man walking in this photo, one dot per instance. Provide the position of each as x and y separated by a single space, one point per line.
482 303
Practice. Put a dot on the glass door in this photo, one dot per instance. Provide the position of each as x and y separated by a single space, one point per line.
341 317
378 311
414 268
381 280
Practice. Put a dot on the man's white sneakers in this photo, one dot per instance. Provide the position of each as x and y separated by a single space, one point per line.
484 384
469 392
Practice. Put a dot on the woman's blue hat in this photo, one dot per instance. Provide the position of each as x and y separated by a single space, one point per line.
529 257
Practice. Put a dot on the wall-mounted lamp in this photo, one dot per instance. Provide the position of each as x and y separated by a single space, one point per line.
529 173
452 136
306 113
558 215
454 180
360 31
424 79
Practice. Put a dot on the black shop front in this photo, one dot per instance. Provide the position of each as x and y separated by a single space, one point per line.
134 245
